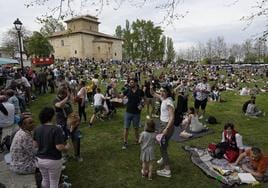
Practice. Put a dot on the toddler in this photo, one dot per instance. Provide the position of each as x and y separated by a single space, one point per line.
147 141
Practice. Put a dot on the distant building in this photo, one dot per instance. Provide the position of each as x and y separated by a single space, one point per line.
82 39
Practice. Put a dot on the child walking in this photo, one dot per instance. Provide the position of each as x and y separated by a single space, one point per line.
147 141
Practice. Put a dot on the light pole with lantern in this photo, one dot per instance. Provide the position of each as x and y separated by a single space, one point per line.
18 26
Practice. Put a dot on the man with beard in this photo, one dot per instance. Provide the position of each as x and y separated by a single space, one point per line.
134 96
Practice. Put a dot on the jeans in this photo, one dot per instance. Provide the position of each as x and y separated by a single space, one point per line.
134 118
75 137
81 111
50 170
164 145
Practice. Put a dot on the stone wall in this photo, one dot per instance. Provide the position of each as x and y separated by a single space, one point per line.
83 46
67 46
117 50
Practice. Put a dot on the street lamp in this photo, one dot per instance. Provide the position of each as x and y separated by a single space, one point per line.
18 26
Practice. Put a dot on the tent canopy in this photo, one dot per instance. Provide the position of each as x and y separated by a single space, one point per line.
4 61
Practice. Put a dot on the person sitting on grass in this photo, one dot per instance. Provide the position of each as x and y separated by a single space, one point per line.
215 94
22 150
245 91
252 109
258 163
147 140
192 123
245 105
231 144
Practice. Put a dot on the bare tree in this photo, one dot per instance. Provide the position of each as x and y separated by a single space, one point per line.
247 47
63 8
256 12
260 48
209 49
201 51
10 40
220 48
236 51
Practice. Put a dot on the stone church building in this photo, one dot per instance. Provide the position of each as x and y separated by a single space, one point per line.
82 39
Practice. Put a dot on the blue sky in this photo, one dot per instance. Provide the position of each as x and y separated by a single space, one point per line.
205 18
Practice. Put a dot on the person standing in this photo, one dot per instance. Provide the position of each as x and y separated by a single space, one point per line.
182 102
63 108
43 80
49 140
134 96
82 94
149 99
201 93
167 116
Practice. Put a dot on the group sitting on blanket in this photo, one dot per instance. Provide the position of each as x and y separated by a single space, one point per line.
231 148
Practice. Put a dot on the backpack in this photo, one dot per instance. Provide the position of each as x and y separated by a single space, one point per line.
6 142
212 120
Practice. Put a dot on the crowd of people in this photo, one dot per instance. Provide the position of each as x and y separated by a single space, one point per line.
80 83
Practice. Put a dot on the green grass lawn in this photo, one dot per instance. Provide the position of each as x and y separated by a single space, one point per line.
107 165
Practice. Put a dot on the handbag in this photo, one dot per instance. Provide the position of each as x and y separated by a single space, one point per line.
77 99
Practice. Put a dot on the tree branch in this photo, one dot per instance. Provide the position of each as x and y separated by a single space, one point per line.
64 8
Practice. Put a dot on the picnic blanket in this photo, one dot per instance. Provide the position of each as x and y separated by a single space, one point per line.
218 169
177 130
176 134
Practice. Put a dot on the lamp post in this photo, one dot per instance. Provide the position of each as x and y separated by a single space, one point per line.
18 26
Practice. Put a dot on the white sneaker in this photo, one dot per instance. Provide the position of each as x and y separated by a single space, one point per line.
79 159
201 117
124 147
66 185
160 161
63 167
164 173
64 177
